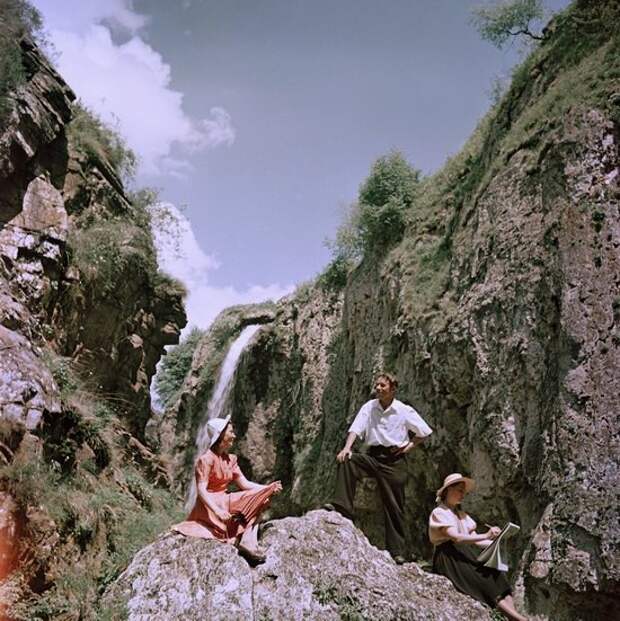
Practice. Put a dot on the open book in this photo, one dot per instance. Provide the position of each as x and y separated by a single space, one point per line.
491 556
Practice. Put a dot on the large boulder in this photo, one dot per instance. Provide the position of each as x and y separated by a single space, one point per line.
318 567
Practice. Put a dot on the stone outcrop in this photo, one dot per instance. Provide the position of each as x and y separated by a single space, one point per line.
499 313
318 567
51 190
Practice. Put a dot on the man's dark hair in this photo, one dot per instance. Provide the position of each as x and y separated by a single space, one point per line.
390 377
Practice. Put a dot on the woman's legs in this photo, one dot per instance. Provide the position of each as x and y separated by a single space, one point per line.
507 606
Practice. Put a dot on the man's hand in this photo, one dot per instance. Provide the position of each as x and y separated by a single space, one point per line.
403 450
344 454
493 532
277 487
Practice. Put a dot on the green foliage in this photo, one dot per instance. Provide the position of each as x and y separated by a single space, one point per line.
100 141
334 276
110 249
506 19
377 221
17 18
142 202
175 366
99 523
391 179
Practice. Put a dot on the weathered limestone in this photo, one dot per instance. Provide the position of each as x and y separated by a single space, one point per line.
318 567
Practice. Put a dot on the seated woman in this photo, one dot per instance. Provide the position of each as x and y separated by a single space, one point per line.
231 517
448 525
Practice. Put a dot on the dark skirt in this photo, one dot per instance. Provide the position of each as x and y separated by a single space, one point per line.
460 566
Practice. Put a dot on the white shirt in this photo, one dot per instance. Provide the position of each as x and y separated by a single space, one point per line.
390 427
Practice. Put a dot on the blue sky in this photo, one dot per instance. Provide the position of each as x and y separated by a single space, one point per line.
262 118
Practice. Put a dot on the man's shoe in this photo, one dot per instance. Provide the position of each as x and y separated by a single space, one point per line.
399 559
328 506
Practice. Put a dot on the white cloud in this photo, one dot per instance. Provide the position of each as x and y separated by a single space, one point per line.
216 130
128 83
181 256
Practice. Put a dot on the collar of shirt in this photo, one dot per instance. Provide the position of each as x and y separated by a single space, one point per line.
388 410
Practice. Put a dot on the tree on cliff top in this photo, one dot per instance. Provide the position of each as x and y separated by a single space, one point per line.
506 19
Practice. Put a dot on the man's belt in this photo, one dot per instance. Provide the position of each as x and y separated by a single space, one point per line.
382 450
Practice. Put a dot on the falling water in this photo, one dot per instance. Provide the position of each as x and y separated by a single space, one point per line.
218 404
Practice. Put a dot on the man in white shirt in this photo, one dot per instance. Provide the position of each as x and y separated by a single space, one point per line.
385 425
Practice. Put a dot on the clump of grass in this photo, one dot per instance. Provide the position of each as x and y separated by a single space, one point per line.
108 251
100 141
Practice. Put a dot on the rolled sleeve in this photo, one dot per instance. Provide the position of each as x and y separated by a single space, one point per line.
360 422
415 423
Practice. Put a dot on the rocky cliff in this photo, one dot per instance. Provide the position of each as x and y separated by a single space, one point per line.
499 311
84 317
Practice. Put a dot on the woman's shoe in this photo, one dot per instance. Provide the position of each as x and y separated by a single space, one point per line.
253 556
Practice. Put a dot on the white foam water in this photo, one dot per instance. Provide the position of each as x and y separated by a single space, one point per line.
218 403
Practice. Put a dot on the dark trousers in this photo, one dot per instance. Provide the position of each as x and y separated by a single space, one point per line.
391 475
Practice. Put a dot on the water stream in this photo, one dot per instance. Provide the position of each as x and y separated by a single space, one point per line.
218 405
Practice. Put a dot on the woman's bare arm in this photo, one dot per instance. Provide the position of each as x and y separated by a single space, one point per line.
458 537
243 484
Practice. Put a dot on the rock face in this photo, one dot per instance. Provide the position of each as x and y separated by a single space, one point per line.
318 567
499 312
50 192
77 353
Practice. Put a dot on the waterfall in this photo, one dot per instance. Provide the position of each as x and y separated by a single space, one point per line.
218 403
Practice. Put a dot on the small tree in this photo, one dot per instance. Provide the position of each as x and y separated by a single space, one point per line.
505 19
377 221
391 178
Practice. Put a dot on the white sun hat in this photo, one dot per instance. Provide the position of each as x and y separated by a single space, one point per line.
452 479
215 426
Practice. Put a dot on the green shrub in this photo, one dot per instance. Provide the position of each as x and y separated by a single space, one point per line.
17 18
377 221
100 141
175 366
334 276
391 178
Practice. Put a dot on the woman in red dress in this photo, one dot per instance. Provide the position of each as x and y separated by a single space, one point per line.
231 517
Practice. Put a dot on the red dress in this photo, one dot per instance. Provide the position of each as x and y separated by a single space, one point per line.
219 471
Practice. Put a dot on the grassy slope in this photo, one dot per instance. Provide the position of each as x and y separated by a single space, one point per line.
576 67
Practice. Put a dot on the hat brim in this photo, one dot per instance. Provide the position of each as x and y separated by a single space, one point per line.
470 485
213 440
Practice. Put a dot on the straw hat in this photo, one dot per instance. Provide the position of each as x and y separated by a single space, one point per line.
215 426
453 478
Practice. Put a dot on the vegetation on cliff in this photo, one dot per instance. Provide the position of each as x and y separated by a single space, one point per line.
17 19
175 366
83 296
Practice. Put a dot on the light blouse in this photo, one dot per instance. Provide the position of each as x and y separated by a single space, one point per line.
442 518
